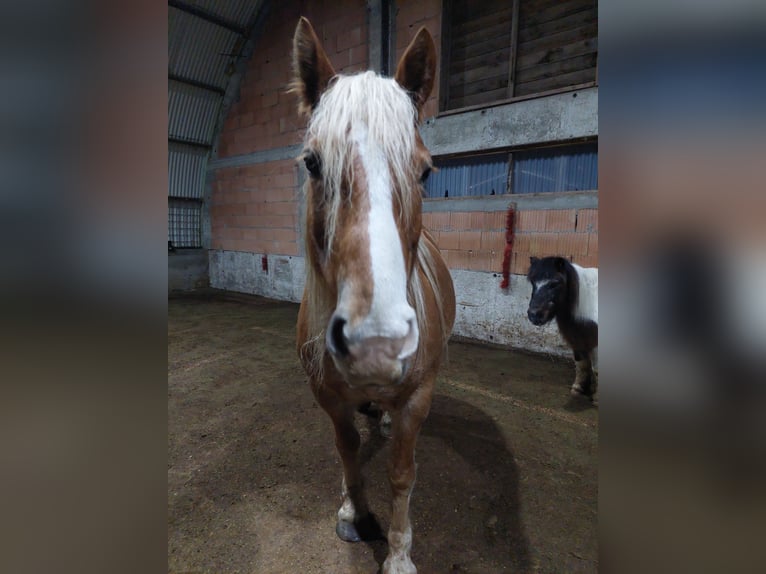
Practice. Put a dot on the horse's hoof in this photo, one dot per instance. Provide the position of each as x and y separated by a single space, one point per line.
347 532
577 392
399 565
366 528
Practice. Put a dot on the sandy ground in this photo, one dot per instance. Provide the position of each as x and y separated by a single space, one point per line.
507 462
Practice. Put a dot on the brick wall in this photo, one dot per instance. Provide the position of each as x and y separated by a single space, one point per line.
475 240
255 208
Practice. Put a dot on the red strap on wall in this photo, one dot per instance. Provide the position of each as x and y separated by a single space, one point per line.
509 233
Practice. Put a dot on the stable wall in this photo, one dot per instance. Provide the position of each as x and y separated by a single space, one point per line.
255 201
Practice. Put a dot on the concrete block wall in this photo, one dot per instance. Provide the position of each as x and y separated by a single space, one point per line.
256 241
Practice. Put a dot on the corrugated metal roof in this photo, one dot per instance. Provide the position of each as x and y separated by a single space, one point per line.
239 12
186 171
192 112
199 50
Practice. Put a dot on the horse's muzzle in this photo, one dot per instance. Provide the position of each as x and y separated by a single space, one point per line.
370 359
538 316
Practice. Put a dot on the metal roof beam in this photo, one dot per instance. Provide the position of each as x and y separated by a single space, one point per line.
189 200
207 16
171 139
196 84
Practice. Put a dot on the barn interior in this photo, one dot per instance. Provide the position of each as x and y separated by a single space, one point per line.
507 461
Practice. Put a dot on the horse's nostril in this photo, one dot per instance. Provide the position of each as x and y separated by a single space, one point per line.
336 340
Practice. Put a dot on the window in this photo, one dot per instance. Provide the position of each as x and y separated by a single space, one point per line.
539 170
469 176
494 50
186 183
563 168
184 223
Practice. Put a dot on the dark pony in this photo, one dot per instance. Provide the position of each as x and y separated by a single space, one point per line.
569 293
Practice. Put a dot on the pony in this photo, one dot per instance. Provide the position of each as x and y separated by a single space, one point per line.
569 293
379 303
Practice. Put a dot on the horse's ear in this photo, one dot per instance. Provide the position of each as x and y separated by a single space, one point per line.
533 260
416 71
561 263
312 69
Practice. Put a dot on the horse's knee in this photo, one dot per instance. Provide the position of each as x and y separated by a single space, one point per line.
402 478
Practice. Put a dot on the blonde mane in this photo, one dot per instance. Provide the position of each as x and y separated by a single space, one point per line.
391 119
390 116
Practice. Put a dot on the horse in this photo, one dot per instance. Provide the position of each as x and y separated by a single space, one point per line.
379 303
569 293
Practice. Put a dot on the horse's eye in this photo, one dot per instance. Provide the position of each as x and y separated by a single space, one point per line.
313 164
424 176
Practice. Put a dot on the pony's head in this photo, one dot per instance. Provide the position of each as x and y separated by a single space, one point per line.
366 164
550 287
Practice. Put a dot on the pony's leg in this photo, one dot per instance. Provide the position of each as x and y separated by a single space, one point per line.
406 427
354 520
582 383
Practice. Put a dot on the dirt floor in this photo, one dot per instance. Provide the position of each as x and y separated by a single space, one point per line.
507 462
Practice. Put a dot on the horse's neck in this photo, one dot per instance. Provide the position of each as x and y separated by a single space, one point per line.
586 304
581 303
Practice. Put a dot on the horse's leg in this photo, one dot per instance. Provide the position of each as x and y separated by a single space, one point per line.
354 521
582 383
406 427
385 424
594 383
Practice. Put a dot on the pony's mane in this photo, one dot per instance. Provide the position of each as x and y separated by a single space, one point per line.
391 120
389 114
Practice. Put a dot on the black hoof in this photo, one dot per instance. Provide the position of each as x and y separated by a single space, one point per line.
366 529
347 532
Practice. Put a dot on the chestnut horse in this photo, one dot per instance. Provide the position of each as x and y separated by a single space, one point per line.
379 303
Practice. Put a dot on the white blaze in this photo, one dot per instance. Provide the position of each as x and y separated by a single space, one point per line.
390 315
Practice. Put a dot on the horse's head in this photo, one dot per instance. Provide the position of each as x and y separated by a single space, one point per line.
366 164
549 280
